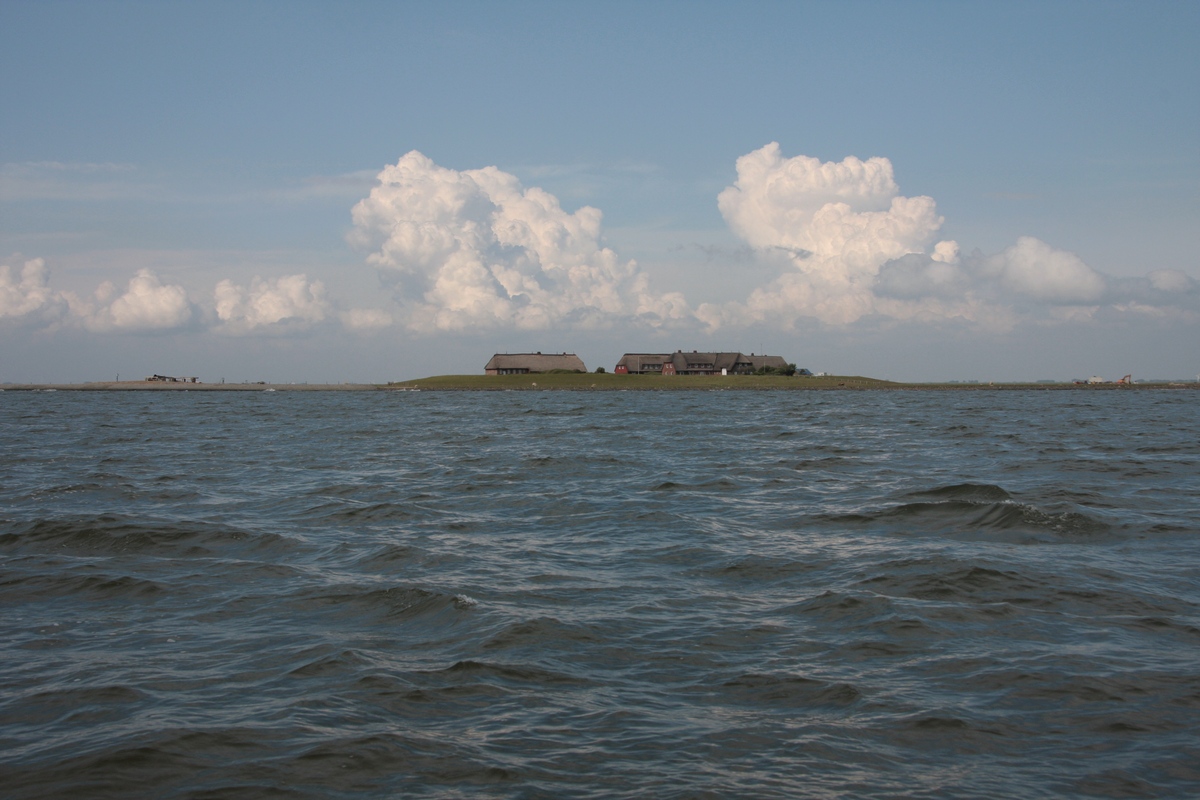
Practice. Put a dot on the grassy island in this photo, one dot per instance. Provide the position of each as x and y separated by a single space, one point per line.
605 381
610 382
590 381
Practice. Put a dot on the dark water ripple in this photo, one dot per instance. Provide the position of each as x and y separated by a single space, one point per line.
549 595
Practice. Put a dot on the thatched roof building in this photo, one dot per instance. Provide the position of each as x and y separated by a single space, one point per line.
696 363
527 363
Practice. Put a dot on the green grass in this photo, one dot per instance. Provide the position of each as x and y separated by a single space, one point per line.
609 382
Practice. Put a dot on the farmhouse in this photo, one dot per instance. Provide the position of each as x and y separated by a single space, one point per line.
528 363
696 363
170 379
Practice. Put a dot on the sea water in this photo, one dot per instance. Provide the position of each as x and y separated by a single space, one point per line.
611 594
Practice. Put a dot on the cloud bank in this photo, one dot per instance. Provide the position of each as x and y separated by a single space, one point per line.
282 306
849 246
475 249
26 299
146 305
833 224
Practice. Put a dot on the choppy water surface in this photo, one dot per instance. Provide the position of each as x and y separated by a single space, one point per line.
724 594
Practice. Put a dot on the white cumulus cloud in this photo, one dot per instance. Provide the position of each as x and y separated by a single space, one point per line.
475 249
281 306
833 224
146 305
848 245
26 297
1033 268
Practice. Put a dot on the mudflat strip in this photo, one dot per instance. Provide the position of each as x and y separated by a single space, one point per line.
159 386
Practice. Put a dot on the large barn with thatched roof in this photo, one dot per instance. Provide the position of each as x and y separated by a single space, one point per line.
532 363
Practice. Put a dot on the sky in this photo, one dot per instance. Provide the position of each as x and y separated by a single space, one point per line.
325 192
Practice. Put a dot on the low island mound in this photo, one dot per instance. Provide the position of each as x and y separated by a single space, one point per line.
602 381
610 382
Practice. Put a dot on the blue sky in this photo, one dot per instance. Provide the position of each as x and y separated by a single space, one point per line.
183 178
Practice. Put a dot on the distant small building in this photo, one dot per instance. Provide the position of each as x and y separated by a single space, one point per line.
171 379
532 363
697 363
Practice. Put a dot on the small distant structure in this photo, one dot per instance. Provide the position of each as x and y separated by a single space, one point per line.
697 363
170 379
1095 379
533 363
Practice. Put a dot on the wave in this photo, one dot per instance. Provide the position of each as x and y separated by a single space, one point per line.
29 588
389 556
113 534
763 570
538 633
966 492
392 604
76 706
381 760
971 583
343 661
505 674
881 625
789 691
717 484
163 763
338 511
982 512
843 608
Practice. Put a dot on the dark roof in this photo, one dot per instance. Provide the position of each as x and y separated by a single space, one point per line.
536 362
709 361
697 361
759 362
634 361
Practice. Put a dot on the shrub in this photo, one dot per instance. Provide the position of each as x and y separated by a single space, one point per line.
789 370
